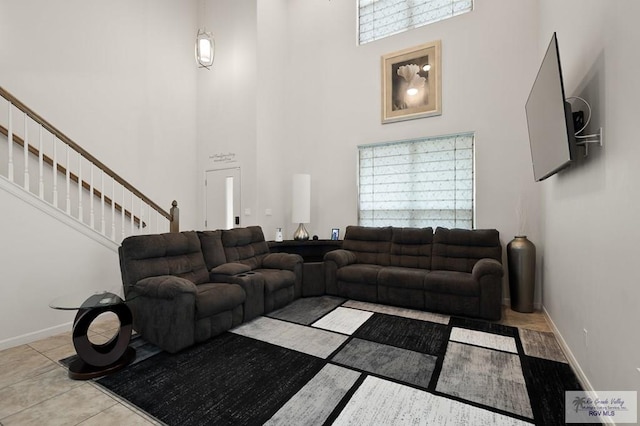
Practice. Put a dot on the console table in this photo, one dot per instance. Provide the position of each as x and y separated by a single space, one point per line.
312 252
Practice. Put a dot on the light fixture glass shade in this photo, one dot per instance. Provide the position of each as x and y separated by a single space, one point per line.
205 49
301 205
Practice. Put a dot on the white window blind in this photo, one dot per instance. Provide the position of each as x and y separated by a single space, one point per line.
418 183
382 18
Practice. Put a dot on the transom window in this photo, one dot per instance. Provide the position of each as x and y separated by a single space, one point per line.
381 18
417 183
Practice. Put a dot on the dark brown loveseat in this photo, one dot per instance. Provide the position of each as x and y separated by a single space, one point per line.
187 287
454 271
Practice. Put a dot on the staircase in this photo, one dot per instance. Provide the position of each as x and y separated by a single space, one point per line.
45 164
64 214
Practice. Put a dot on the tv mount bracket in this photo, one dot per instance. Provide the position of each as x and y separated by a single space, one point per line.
585 140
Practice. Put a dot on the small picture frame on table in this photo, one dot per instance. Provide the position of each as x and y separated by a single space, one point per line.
335 233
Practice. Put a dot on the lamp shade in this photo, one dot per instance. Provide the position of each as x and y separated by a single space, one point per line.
301 199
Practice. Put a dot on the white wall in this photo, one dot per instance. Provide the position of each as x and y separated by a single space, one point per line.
318 98
591 210
226 98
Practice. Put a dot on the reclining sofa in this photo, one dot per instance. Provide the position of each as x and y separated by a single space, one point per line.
187 287
184 288
454 271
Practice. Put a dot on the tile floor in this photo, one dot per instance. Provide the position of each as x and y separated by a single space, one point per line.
35 389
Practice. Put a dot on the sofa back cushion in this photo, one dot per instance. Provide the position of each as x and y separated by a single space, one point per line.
178 254
370 245
212 248
411 247
460 249
245 245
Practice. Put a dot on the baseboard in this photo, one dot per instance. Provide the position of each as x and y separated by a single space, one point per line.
35 335
573 362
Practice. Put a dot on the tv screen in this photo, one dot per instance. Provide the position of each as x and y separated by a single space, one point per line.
549 118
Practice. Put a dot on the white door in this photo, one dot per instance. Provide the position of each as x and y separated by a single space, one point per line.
222 199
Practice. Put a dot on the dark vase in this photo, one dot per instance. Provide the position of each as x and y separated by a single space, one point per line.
521 255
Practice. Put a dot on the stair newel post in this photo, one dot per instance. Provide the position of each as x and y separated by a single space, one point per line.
174 225
102 219
25 146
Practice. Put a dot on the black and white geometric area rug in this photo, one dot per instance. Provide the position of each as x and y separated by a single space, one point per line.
325 360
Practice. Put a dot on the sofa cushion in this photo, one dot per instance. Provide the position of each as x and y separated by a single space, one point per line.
451 282
411 247
177 254
394 276
212 249
245 245
214 298
359 273
370 245
460 249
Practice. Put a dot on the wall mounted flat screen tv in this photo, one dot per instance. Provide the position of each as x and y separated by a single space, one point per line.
549 118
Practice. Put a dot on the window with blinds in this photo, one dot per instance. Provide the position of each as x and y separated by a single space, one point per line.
417 183
381 18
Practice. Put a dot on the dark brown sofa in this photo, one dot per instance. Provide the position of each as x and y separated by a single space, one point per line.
453 271
187 287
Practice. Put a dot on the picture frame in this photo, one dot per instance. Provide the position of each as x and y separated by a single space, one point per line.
335 233
412 83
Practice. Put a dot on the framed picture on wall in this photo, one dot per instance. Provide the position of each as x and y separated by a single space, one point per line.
335 233
411 83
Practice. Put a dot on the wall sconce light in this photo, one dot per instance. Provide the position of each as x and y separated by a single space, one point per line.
205 49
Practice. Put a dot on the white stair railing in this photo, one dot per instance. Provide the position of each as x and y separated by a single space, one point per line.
122 206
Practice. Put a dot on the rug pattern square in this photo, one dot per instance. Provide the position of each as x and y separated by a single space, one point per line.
485 376
380 402
312 341
487 340
343 320
308 309
388 361
420 336
541 345
316 400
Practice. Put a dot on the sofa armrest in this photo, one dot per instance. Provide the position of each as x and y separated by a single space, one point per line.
286 261
487 267
488 273
164 287
340 257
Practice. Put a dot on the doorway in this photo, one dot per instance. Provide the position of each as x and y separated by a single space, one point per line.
222 201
